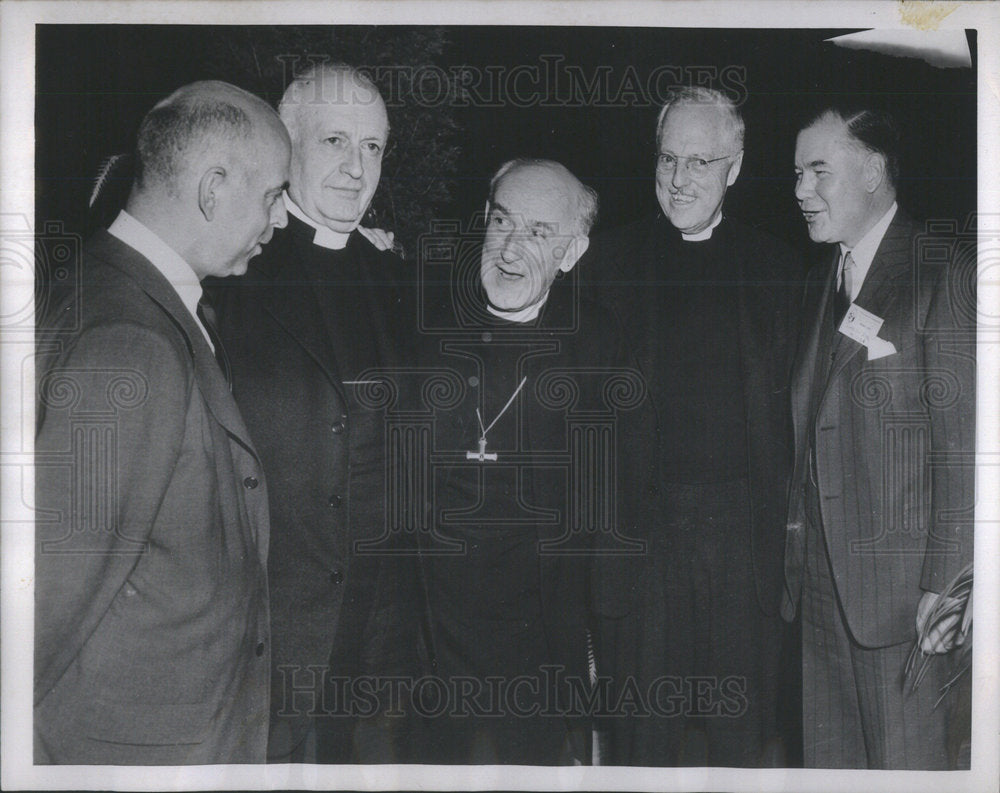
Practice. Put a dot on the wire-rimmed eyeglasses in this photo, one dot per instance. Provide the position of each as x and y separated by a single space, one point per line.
666 162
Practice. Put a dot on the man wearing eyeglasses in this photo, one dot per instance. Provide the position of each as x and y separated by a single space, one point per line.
708 308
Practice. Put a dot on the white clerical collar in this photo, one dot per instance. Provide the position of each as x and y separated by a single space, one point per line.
524 315
864 252
704 234
325 237
165 259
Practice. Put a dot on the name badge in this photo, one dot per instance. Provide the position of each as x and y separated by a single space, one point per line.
862 326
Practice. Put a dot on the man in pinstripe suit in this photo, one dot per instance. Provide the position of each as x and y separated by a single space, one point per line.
880 517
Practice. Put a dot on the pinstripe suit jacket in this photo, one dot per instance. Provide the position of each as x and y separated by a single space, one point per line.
893 436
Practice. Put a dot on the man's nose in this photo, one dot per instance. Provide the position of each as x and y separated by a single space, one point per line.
352 164
803 187
510 251
680 176
279 217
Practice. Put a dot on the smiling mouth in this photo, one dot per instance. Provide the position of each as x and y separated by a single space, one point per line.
680 198
508 273
810 215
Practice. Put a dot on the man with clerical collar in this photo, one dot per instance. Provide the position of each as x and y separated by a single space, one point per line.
881 509
318 311
532 481
151 610
708 306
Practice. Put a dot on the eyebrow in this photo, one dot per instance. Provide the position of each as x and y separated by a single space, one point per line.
531 223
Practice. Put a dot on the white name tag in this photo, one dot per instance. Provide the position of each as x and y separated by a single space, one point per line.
862 326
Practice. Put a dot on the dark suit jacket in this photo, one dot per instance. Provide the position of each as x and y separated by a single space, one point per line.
151 612
330 606
894 436
622 269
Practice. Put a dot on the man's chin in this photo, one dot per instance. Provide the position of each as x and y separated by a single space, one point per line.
340 220
503 302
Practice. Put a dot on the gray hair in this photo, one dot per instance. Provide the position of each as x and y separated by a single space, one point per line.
324 83
197 115
587 199
697 95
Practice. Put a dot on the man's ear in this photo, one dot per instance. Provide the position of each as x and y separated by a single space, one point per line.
576 248
874 171
734 169
208 190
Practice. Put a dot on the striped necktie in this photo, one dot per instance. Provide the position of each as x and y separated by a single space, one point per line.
844 293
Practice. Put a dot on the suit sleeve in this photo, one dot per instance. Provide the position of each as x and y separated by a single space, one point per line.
950 395
113 410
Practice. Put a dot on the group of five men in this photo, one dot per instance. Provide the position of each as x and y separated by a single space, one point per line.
497 498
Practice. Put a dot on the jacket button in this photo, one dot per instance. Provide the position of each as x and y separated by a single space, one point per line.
259 649
337 577
335 501
250 482
337 427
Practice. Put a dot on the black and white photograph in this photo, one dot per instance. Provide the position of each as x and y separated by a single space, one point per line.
469 396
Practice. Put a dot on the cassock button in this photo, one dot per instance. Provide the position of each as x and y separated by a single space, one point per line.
338 427
337 577
259 649
250 482
335 501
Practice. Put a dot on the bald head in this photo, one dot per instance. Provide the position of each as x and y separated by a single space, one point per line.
201 122
213 161
554 178
539 216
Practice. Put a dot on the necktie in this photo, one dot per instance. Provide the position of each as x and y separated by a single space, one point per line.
207 315
844 293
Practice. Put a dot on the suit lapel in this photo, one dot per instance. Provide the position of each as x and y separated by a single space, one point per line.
812 364
880 290
208 376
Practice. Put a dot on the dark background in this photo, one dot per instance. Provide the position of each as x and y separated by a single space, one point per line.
95 82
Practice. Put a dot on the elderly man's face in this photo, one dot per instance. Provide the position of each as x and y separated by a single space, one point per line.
251 207
530 236
691 131
337 154
830 183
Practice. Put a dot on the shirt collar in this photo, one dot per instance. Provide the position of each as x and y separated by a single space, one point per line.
324 237
524 315
164 258
864 252
704 234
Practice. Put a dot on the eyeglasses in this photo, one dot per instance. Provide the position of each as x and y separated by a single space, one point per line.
696 166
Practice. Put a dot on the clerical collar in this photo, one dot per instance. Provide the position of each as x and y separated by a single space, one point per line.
704 234
325 237
524 315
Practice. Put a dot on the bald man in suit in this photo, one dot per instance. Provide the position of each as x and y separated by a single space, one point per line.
151 607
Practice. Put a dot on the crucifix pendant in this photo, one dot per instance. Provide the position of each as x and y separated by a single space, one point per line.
482 454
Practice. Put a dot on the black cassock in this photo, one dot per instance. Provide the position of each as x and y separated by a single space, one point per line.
520 548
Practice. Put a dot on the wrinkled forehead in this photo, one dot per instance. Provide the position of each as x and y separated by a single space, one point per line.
366 118
538 194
